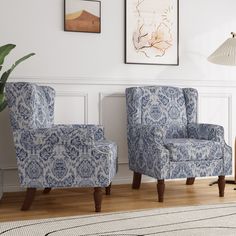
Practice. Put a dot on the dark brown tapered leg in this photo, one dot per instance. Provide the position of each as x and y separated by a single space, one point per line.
29 197
108 190
97 198
160 189
47 190
221 185
190 181
136 180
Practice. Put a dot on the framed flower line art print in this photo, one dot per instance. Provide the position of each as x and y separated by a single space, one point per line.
82 16
152 32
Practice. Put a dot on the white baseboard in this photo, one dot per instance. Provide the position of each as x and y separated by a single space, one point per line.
120 181
12 188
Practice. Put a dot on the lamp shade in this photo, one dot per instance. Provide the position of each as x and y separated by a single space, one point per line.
225 54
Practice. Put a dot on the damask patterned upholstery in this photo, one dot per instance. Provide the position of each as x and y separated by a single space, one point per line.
164 139
53 156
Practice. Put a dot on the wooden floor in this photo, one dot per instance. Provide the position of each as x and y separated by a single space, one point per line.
70 202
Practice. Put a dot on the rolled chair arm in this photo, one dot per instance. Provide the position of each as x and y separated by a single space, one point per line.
75 135
147 153
150 133
206 132
96 132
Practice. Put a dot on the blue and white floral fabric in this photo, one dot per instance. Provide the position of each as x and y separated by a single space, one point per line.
164 139
51 155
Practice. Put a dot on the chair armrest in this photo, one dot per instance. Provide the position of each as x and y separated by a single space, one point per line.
77 135
150 133
146 147
95 131
146 137
207 132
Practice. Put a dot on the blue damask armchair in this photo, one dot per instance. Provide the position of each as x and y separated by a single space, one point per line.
166 142
56 156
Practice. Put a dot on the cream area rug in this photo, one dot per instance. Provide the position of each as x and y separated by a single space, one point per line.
209 220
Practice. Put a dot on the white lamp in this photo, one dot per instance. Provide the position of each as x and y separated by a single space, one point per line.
226 53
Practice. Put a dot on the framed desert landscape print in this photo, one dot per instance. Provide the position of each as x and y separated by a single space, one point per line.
82 16
152 32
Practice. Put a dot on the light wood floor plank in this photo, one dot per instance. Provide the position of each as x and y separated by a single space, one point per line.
70 202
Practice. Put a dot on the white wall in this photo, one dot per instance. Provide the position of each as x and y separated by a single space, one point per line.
88 72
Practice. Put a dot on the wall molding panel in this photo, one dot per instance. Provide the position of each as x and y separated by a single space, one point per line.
212 83
102 95
67 94
115 125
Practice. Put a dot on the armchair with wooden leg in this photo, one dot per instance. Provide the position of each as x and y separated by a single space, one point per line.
166 142
56 156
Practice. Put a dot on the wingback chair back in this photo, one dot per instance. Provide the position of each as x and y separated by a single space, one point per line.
31 106
170 108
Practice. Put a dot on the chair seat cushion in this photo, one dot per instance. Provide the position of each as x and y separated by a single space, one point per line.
193 149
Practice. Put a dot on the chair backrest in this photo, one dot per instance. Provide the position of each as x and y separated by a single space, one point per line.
169 108
30 106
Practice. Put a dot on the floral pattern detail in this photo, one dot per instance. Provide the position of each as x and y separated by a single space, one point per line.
164 140
193 149
31 106
206 132
51 155
202 168
34 170
191 103
172 114
216 134
85 169
59 168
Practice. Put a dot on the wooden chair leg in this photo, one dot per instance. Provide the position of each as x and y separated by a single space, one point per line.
108 189
97 198
160 189
190 181
221 185
136 180
29 197
47 190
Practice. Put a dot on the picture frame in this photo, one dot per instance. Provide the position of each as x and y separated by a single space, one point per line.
152 32
82 16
